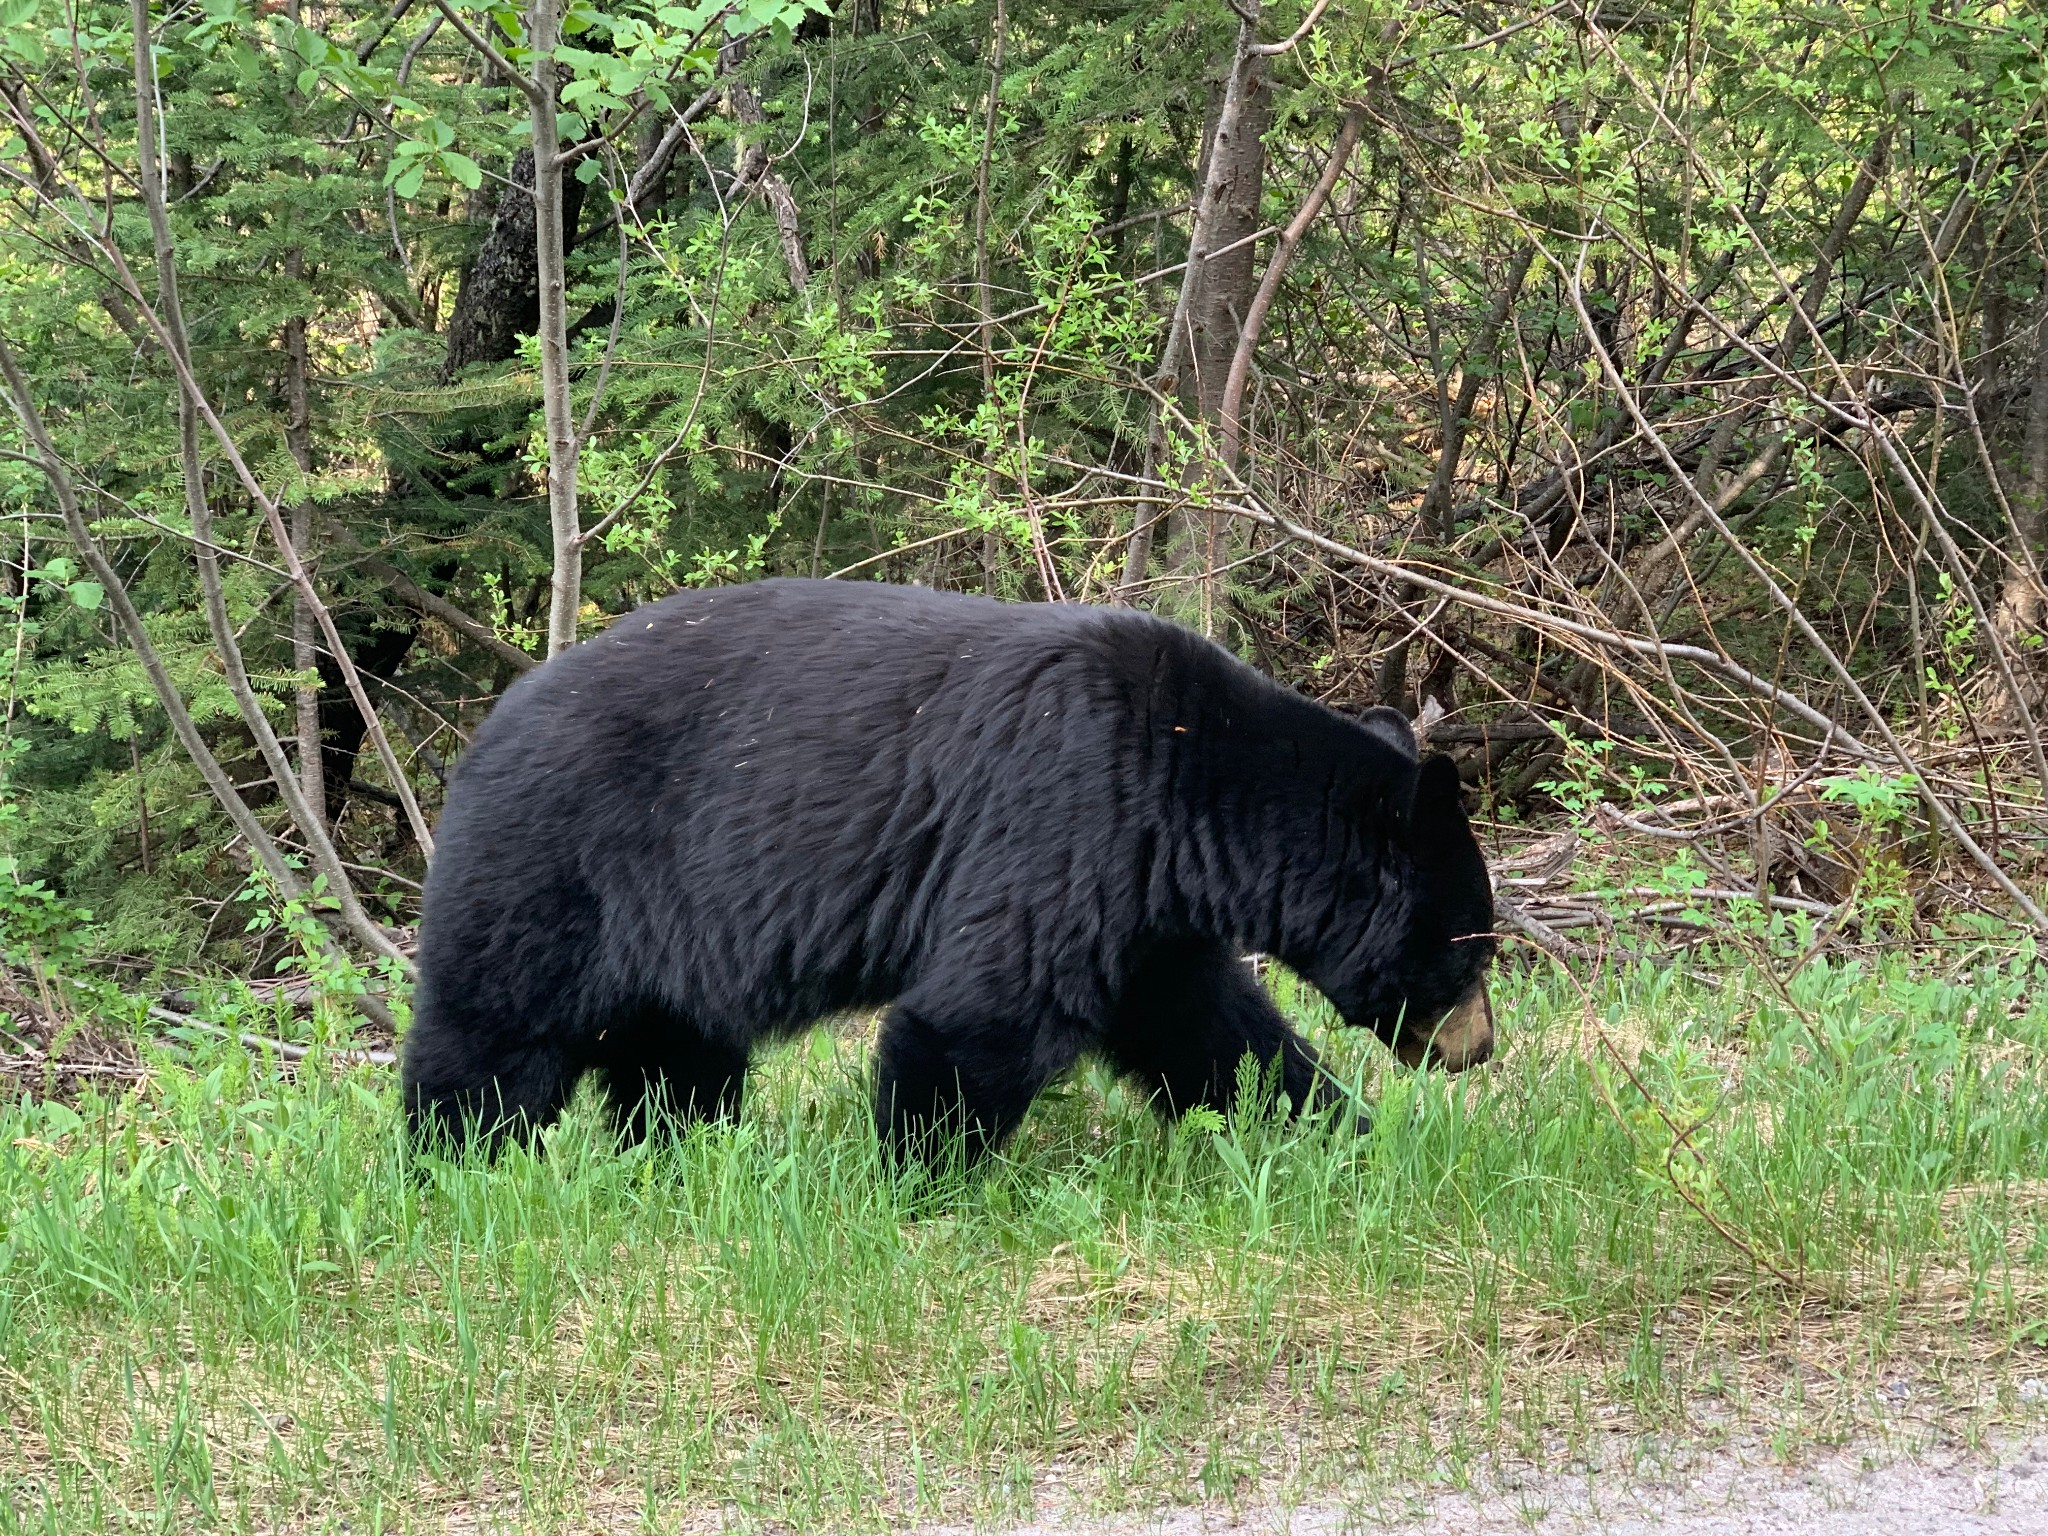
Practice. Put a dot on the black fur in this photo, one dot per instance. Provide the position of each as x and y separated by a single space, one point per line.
1036 830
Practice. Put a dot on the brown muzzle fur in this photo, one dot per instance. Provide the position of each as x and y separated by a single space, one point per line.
1462 1038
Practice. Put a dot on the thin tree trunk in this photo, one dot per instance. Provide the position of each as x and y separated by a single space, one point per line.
990 548
755 168
1231 406
565 601
1803 326
177 351
1224 296
2020 603
1437 508
298 436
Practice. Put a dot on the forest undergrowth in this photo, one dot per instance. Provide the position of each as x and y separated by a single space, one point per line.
1689 1200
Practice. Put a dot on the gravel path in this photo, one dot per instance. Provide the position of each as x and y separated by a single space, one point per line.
1943 1492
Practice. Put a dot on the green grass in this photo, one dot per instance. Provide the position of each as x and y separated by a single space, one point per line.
226 1299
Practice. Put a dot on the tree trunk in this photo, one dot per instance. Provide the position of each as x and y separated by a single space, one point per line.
1237 169
1436 515
499 300
1224 291
1221 177
543 29
991 549
2021 601
298 437
755 168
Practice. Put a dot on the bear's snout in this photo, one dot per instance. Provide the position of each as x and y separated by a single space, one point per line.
1462 1038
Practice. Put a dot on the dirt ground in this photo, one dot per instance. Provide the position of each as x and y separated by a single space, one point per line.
1995 1490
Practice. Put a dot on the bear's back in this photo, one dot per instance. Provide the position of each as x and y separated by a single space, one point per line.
836 661
740 712
810 779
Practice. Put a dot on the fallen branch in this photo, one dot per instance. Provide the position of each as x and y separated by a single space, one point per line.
255 1042
1715 893
1543 934
43 1062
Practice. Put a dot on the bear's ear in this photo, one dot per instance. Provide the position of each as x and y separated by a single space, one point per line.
1392 727
1439 799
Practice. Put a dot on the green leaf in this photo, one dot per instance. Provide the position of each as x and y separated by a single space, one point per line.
409 183
87 594
462 168
17 27
588 169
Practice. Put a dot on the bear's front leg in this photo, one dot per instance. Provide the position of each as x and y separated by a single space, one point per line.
952 1082
1191 1012
462 1080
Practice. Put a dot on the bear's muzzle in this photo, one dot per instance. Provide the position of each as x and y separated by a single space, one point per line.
1462 1038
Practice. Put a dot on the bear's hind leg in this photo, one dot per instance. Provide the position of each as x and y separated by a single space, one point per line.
660 1070
457 1085
1190 1014
939 1088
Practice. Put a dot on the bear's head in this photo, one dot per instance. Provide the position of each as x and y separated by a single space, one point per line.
1407 949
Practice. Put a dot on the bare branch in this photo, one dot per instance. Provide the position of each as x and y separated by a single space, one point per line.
1936 806
1308 25
510 72
436 607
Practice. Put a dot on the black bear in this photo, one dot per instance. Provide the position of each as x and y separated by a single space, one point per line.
1033 830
